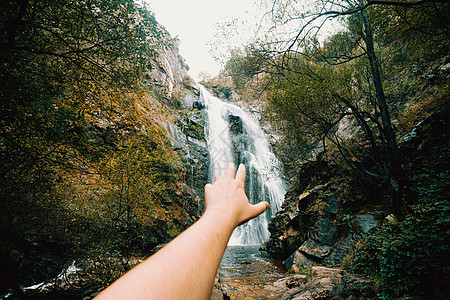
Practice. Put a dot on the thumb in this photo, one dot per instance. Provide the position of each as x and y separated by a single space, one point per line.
254 211
259 208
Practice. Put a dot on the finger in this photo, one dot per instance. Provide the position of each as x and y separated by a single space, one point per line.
240 175
259 208
229 172
256 210
218 177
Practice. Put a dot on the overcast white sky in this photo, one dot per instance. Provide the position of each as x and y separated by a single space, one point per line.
193 21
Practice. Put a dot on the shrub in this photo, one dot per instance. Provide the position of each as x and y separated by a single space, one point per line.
408 258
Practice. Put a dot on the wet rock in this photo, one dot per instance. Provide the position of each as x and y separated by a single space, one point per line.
367 222
322 231
290 227
311 228
298 261
218 292
188 137
329 283
341 249
168 70
315 248
236 125
189 101
282 242
289 282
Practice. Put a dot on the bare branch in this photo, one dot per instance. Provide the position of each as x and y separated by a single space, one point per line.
380 2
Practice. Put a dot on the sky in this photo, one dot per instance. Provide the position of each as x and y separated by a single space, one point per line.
194 22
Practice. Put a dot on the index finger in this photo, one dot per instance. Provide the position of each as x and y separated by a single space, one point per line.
240 175
229 172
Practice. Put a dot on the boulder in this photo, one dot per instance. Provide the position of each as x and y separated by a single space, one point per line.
367 222
322 230
341 249
285 236
328 247
313 228
327 283
218 292
315 248
298 261
286 283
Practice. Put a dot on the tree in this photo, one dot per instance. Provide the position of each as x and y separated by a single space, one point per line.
64 62
65 67
356 42
85 163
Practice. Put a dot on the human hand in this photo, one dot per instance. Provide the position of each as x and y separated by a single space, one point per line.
226 197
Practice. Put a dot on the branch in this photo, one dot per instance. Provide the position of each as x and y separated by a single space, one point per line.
340 59
380 2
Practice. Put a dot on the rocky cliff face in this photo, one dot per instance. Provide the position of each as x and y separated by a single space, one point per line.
187 130
314 225
314 228
318 223
170 70
188 137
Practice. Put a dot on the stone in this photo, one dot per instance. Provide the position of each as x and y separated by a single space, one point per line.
189 101
290 282
331 283
341 249
275 246
367 222
323 231
391 218
303 196
316 249
298 261
217 292
310 227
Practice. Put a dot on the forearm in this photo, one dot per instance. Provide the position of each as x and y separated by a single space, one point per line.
184 269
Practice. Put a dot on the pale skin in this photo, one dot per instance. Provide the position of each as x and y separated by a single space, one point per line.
187 266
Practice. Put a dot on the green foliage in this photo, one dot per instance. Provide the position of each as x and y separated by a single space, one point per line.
321 96
339 48
314 89
408 258
64 63
141 173
223 92
244 64
419 32
84 160
307 102
301 271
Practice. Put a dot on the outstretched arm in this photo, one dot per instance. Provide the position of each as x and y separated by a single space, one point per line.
187 266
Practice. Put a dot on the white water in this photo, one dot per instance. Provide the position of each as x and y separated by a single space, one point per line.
72 269
264 181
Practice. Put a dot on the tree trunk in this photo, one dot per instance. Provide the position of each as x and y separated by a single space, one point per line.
397 180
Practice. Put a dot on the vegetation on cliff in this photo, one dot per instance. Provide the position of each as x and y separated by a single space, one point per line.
87 170
372 100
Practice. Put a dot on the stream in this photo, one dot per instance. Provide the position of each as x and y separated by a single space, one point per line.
246 274
233 135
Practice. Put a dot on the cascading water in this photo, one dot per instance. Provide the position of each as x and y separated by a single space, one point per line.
233 136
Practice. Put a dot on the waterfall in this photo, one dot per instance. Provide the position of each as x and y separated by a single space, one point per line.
234 136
